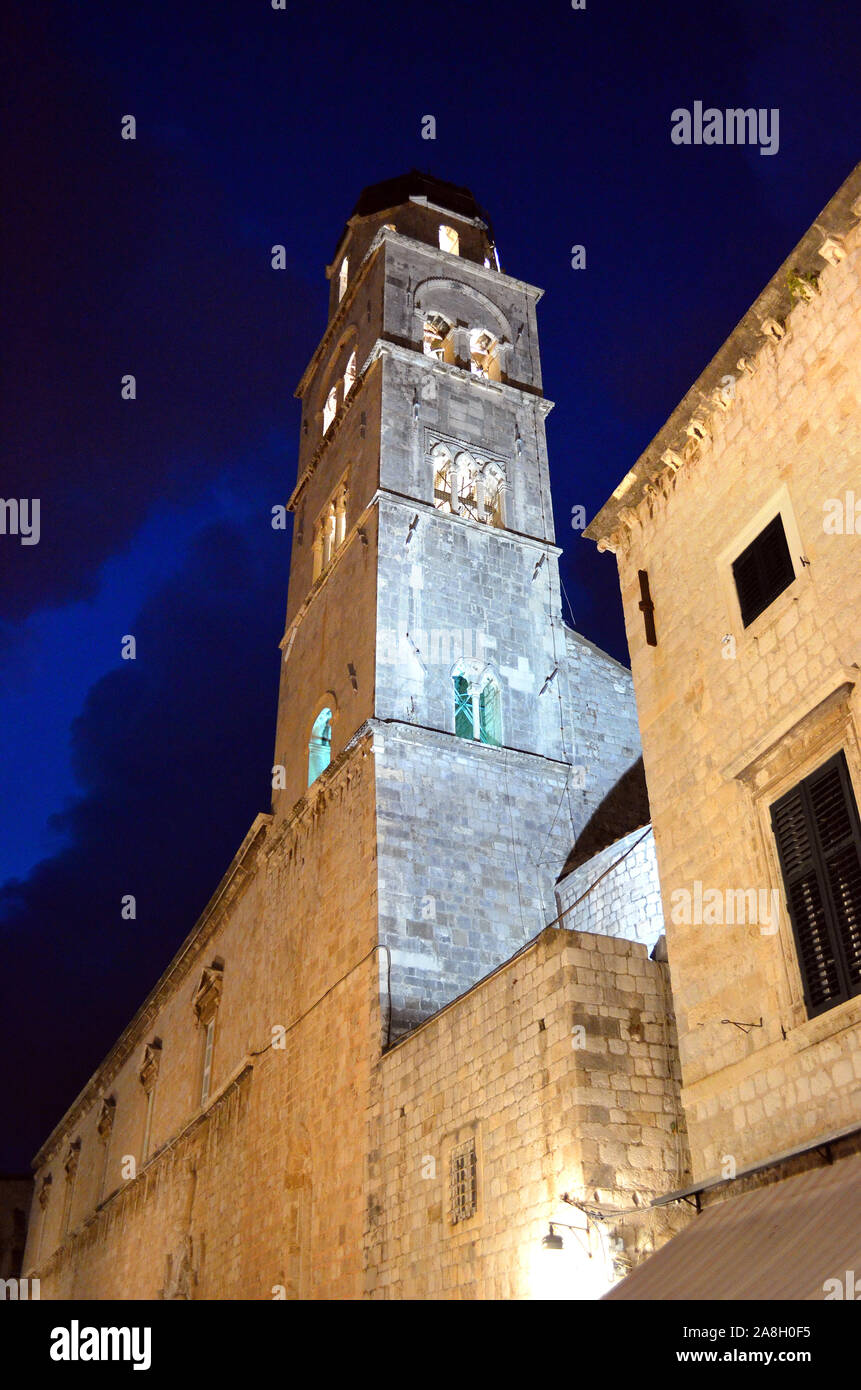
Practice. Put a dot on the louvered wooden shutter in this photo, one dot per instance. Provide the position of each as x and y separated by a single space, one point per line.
819 843
763 571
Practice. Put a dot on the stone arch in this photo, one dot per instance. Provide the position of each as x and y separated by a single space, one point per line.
457 301
320 735
333 375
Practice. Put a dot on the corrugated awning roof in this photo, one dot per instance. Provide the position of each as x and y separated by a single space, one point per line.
782 1241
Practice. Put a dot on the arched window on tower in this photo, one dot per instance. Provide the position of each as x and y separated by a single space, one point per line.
449 240
343 274
493 487
489 713
483 354
330 408
442 478
320 745
438 338
467 487
350 374
477 707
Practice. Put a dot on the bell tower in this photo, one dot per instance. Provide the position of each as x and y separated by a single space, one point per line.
424 624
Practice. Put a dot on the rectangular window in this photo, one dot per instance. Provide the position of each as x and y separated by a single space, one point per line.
207 1061
818 836
763 571
463 1165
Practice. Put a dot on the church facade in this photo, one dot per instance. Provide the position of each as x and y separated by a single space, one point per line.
413 1026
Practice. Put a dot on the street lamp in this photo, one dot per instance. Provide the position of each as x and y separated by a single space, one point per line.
552 1241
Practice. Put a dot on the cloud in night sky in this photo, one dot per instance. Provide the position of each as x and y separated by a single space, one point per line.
171 776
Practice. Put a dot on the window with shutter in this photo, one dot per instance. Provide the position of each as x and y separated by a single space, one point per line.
818 836
763 571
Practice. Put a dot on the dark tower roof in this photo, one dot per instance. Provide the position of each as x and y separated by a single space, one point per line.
377 197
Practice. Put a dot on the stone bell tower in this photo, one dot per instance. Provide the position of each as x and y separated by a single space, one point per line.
424 623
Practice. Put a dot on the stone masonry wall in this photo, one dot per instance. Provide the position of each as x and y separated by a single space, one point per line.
258 1189
561 1066
732 717
617 892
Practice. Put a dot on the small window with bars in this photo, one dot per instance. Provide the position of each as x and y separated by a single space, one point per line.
818 836
463 1170
762 571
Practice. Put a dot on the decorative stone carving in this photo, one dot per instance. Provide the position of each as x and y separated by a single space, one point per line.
208 993
832 250
150 1065
180 1275
106 1118
72 1157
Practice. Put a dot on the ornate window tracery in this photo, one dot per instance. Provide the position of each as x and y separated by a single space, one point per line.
466 486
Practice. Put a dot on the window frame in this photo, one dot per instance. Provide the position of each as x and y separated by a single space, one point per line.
778 503
450 235
752 558
315 744
208 1057
468 703
463 1193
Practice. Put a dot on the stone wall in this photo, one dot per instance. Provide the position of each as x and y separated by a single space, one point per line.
617 892
732 717
561 1067
261 1187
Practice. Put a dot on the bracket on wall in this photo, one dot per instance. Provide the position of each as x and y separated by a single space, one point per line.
647 608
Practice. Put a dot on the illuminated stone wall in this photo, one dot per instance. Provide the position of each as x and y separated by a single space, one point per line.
734 716
561 1068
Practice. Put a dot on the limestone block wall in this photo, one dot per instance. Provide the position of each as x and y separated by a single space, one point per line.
732 717
462 591
601 730
257 1190
461 827
492 420
561 1068
617 892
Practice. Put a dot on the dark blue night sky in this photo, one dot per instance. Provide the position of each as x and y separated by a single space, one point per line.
255 127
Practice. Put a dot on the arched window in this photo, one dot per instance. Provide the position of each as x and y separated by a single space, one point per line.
477 707
438 339
320 745
343 273
350 374
449 240
465 487
489 713
330 408
468 487
483 354
442 478
491 501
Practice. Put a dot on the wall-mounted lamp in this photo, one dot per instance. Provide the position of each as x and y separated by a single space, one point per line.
552 1241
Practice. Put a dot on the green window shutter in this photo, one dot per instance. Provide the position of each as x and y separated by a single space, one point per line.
462 708
488 713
